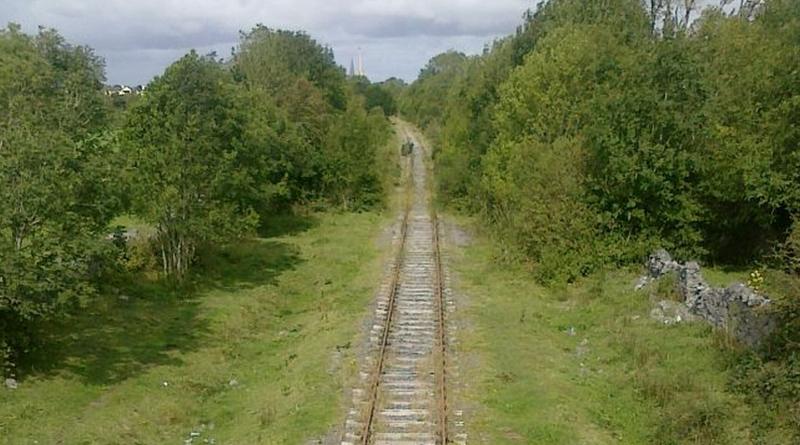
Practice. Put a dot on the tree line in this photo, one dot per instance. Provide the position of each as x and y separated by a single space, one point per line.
601 130
211 149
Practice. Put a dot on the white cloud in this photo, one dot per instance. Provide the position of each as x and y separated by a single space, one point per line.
139 38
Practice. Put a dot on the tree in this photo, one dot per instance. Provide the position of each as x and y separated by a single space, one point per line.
351 176
380 95
188 161
301 78
55 179
275 59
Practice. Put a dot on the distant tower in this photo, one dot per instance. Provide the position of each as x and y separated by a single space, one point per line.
360 68
352 67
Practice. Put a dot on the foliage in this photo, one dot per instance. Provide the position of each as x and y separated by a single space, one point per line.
190 161
55 174
421 102
152 365
210 148
278 59
684 134
600 130
351 177
790 251
381 95
310 103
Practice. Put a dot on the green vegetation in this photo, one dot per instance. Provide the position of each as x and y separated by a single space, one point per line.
328 138
183 264
600 131
258 352
205 158
191 162
584 363
55 196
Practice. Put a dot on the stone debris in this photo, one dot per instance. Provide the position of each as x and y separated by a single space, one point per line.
11 383
737 309
671 312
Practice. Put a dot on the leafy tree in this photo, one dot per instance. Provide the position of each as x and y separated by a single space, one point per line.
421 102
376 95
602 129
315 103
189 161
753 186
351 177
686 133
55 175
275 59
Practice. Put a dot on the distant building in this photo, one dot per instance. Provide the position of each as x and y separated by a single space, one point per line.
357 66
123 90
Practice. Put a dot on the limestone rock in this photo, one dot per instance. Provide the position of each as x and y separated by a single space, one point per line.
660 263
671 312
737 309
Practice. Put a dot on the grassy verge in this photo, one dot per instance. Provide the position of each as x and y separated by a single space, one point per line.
586 364
256 353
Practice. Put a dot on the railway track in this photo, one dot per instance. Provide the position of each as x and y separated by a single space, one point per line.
402 396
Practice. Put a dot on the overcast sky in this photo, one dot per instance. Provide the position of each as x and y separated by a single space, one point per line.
139 38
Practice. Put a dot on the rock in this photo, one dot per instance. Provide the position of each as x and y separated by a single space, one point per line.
233 382
660 263
739 310
11 383
643 281
750 319
671 312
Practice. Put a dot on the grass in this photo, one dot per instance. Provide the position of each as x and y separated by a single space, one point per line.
585 363
257 353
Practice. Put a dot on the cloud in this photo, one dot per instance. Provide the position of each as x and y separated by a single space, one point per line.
139 38
402 26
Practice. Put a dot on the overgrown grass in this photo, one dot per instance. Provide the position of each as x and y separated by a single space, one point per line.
256 353
585 364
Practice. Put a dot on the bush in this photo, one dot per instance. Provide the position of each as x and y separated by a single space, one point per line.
687 139
790 250
536 204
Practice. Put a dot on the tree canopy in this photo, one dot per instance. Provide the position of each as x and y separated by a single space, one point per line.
208 152
677 132
55 194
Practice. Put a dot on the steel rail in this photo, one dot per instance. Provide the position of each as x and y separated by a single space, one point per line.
440 285
373 398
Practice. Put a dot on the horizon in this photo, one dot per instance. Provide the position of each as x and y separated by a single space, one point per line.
395 39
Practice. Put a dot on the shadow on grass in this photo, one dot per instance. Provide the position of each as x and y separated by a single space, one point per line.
248 264
145 323
286 224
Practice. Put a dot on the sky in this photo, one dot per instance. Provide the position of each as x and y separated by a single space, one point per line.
139 38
